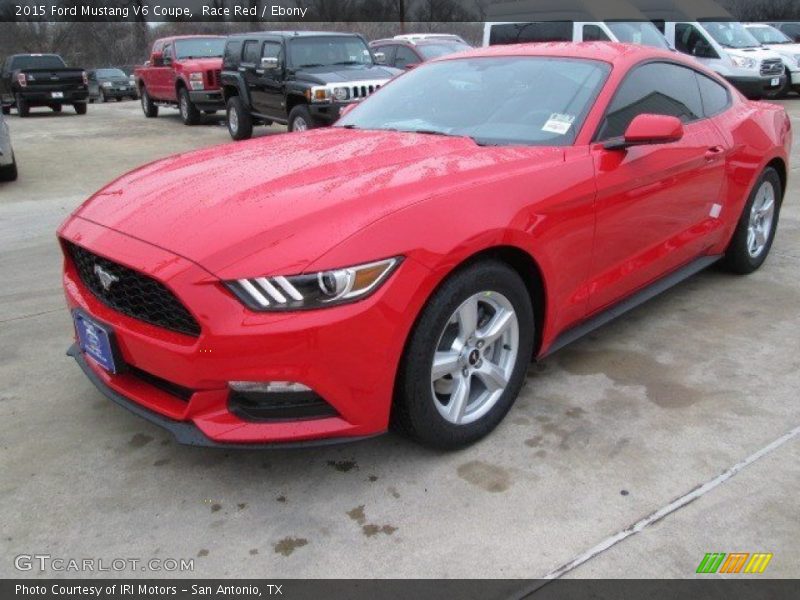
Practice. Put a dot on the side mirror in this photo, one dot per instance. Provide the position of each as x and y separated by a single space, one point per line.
269 63
380 58
346 109
647 130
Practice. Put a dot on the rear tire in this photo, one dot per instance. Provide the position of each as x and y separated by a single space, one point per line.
755 232
466 358
23 109
189 113
9 172
149 108
56 108
300 119
240 122
80 108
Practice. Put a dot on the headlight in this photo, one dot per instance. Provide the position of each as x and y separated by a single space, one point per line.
21 80
107 84
313 290
319 94
342 94
196 81
743 62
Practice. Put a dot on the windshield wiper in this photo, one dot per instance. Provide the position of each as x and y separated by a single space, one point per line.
348 62
309 65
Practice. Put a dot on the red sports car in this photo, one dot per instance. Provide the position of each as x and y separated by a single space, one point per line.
404 267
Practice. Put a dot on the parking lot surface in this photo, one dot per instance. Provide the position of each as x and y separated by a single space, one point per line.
698 386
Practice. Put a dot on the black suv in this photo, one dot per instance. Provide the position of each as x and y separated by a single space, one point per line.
301 79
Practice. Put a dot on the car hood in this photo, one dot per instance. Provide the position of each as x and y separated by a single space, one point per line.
323 75
790 50
761 53
201 64
274 205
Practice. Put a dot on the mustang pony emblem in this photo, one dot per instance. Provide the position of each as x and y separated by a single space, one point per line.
106 278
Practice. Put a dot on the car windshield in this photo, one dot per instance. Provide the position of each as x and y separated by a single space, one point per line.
107 73
326 51
638 32
769 35
200 48
438 49
538 101
41 61
731 34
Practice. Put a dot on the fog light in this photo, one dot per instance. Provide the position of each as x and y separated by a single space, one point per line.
267 387
276 401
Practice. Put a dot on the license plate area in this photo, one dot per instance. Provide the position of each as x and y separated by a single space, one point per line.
775 82
56 94
97 341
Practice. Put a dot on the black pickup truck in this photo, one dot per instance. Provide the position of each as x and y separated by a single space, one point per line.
28 80
301 79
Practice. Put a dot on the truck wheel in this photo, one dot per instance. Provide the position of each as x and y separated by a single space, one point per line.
56 108
189 113
23 110
80 107
149 108
240 123
9 172
300 119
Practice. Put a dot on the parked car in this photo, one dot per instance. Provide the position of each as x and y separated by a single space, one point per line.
183 72
107 84
632 32
8 163
789 51
301 79
407 51
405 265
731 51
29 80
790 28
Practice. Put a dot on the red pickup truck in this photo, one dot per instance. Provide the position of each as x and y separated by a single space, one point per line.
183 72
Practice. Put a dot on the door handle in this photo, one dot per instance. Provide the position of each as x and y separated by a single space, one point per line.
714 152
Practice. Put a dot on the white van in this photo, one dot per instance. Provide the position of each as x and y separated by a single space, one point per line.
631 32
727 48
779 42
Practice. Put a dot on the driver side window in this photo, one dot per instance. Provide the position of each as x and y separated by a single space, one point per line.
404 57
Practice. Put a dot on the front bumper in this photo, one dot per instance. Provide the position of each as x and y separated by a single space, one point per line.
326 114
757 87
207 99
118 93
348 355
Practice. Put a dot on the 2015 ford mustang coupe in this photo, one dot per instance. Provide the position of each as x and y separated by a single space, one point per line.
404 266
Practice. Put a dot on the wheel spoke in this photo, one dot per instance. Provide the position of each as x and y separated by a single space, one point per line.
496 327
468 318
751 240
459 399
492 376
761 237
766 206
444 363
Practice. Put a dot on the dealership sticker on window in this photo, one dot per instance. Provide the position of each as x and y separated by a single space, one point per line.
558 123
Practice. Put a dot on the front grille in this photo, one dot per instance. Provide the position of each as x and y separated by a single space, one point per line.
214 77
362 91
772 66
132 293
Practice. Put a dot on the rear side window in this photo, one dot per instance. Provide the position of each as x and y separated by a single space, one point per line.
654 88
251 52
233 50
689 40
41 61
715 96
521 33
594 33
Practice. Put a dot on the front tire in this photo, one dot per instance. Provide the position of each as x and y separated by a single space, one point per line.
240 122
23 109
80 108
300 119
9 172
149 107
189 113
755 232
466 358
56 108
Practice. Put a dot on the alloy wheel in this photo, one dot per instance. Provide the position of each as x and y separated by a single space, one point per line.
299 124
762 217
233 120
475 357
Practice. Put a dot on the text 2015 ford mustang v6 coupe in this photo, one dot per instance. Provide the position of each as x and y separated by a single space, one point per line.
404 266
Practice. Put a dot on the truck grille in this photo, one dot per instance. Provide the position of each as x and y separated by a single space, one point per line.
133 294
213 78
772 67
362 91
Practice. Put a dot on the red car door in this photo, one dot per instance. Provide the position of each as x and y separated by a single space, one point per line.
657 205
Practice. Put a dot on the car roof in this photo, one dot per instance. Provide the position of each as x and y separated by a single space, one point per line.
188 37
293 34
420 42
610 52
